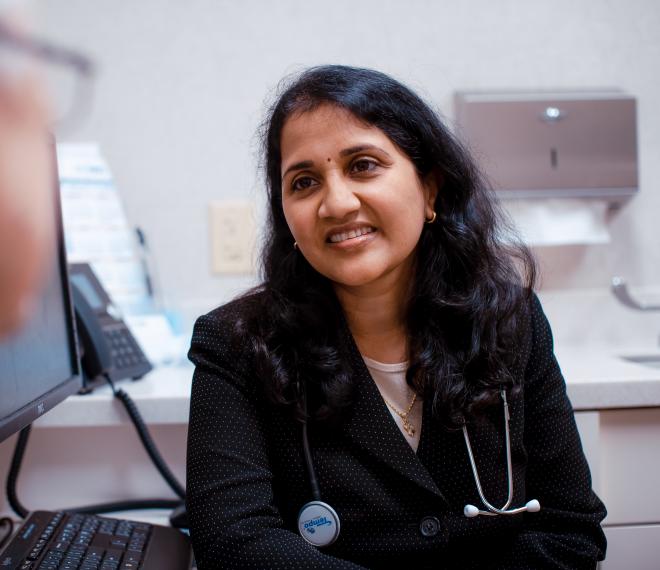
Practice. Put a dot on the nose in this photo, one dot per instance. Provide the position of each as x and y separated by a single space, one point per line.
339 200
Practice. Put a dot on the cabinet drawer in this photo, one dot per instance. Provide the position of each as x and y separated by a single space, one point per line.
632 548
623 450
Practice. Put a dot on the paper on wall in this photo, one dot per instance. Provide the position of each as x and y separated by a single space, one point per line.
96 228
553 222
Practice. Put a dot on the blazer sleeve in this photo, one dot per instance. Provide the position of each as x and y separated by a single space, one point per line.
234 521
566 533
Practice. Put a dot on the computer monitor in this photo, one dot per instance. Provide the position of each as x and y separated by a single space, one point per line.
39 365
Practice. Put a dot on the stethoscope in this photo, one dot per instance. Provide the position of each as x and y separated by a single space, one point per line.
471 511
319 524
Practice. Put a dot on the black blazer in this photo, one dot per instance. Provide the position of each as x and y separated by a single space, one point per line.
247 478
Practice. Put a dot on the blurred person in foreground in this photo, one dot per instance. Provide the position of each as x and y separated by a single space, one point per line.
25 187
26 168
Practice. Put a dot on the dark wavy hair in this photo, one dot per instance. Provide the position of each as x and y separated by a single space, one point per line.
469 285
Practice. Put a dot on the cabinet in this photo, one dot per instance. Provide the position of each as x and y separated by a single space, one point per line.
85 451
623 450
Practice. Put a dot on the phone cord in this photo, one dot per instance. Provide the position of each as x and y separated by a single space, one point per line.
10 531
14 470
147 440
115 506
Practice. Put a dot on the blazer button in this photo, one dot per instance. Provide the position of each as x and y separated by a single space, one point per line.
429 527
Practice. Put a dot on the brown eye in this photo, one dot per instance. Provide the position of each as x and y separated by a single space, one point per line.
302 183
363 165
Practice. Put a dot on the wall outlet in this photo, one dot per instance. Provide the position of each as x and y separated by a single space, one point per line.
233 237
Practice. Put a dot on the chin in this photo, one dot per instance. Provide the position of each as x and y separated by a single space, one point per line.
354 279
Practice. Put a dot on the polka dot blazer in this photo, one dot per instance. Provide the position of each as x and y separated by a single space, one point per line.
247 478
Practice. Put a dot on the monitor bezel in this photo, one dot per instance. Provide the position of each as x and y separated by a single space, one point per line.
33 410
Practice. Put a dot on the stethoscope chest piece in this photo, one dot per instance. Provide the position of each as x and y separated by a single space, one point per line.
318 523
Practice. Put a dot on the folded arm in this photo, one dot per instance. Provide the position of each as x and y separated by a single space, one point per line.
566 533
234 520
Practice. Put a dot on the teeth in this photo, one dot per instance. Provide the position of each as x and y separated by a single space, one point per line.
336 238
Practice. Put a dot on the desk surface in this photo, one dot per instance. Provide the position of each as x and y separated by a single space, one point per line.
162 396
597 378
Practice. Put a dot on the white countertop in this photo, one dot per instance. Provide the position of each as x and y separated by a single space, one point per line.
597 378
162 397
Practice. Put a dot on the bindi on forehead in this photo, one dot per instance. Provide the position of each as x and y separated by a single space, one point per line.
329 159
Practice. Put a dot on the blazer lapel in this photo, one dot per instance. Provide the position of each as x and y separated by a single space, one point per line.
371 427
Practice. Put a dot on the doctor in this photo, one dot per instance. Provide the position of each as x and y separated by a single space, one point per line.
388 396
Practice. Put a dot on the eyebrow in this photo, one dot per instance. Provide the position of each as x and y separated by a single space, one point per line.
345 152
361 148
298 166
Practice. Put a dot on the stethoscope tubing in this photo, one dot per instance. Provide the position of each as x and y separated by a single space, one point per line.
318 522
509 469
311 472
469 510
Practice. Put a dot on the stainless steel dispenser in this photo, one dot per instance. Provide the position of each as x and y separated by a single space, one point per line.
553 145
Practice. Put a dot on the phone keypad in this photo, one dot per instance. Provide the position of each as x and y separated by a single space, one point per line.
124 350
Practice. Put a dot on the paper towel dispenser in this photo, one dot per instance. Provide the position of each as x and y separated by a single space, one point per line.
553 145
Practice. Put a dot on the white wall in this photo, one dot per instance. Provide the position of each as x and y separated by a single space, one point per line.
182 86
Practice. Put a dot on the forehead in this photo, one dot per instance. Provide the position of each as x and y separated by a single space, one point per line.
327 130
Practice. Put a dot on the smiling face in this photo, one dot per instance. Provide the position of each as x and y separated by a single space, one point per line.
353 201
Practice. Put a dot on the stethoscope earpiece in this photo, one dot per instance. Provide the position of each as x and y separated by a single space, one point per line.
533 506
470 511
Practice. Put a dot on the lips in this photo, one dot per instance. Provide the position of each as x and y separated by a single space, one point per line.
353 233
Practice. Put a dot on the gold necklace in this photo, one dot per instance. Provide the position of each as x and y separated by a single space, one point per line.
407 425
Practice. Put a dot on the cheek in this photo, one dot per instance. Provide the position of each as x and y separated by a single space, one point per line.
298 219
410 234
406 214
407 223
287 216
289 212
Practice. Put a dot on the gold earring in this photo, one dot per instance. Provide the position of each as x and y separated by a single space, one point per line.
432 219
295 245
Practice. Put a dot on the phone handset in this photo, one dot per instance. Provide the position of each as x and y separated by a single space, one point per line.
96 357
109 350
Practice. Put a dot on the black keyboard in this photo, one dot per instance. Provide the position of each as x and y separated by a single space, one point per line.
67 541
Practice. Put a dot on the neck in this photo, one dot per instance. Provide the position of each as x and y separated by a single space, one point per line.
376 316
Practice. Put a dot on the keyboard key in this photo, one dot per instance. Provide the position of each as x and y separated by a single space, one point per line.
110 564
36 550
124 530
91 561
107 526
133 557
51 560
61 546
95 552
112 556
77 551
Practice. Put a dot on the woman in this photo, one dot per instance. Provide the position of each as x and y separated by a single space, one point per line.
392 327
